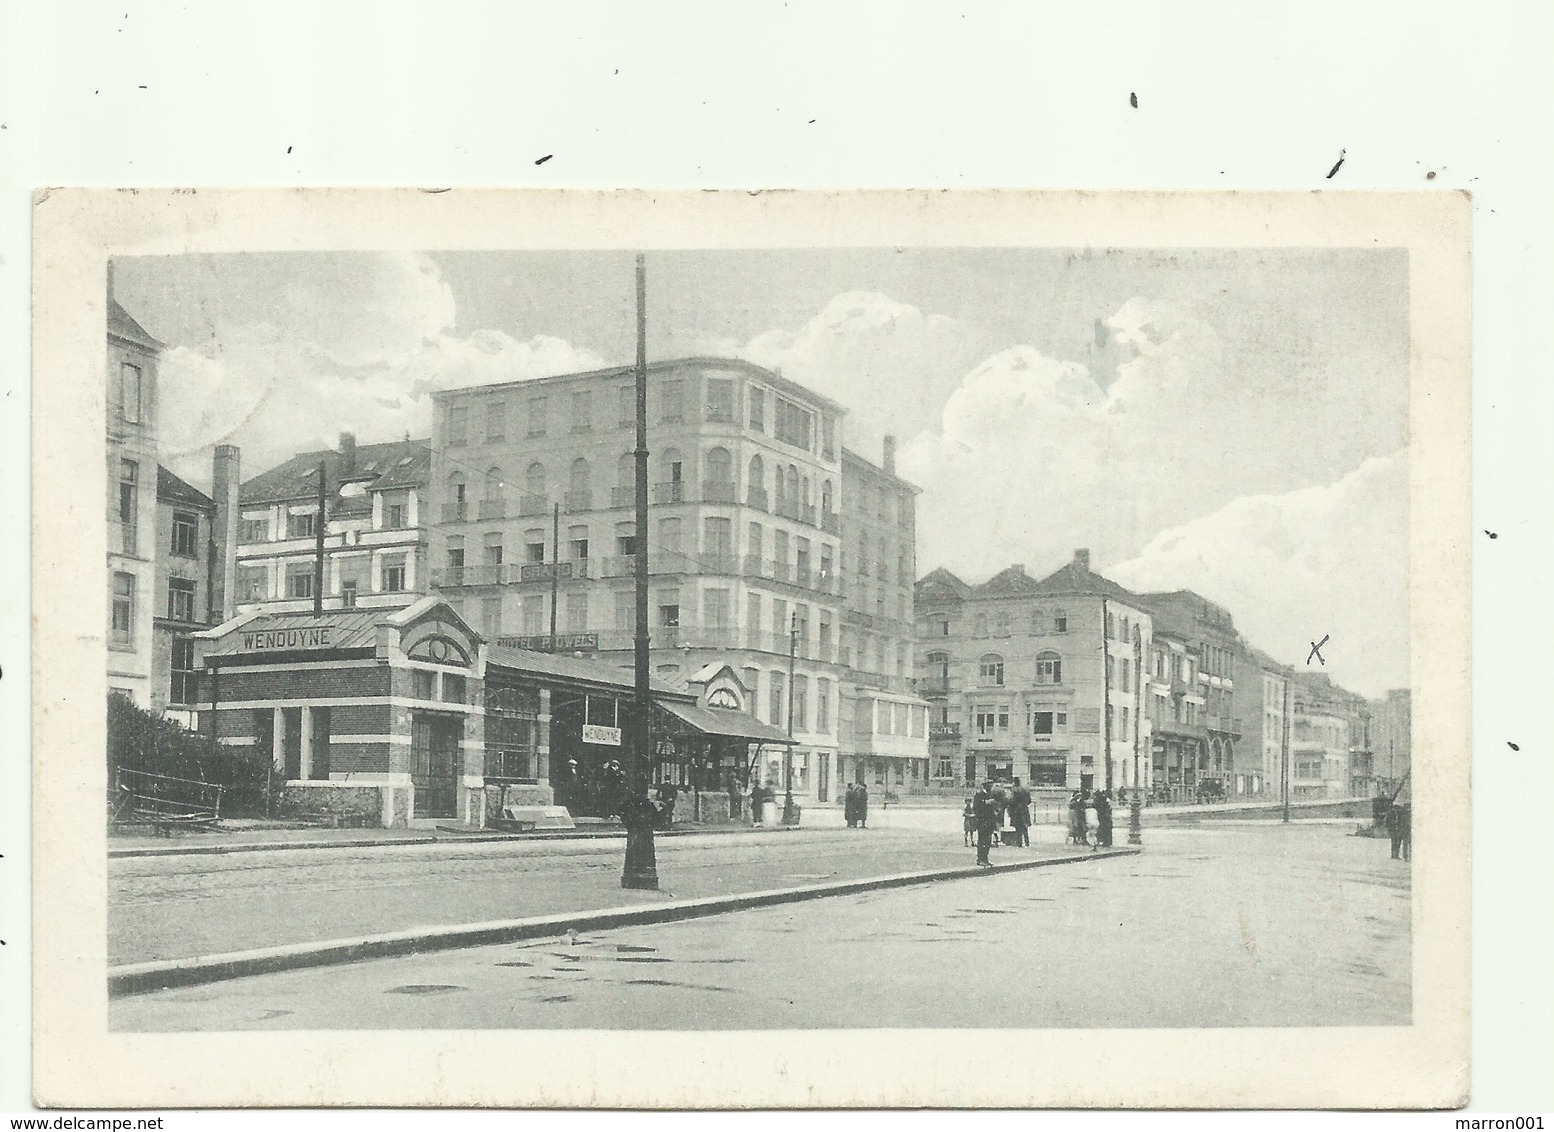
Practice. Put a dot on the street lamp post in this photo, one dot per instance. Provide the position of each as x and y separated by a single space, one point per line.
641 867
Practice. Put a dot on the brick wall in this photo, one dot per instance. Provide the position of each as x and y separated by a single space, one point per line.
304 683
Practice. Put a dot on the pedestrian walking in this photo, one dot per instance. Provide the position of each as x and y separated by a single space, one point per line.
757 799
1078 834
863 806
1020 814
968 820
985 815
1103 820
850 805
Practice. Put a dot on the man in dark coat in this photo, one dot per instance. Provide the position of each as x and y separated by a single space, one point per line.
850 805
1399 821
667 793
1020 813
984 812
1103 820
863 806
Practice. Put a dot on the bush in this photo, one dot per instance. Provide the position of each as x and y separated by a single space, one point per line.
141 741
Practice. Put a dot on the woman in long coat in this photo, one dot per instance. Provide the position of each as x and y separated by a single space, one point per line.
850 805
1077 831
863 806
1103 820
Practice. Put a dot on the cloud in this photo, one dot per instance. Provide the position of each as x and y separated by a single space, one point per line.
892 365
281 363
1032 457
1292 568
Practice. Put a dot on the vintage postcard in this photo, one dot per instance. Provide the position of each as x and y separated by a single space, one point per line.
751 649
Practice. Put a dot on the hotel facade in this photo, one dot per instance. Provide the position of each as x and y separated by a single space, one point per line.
534 536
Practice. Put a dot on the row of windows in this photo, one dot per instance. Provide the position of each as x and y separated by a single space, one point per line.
794 558
792 424
791 490
992 721
885 717
393 515
298 578
990 668
1002 624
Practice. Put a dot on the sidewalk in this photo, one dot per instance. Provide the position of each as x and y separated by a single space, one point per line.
174 907
588 907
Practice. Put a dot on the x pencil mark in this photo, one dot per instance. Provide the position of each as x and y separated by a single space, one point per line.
1316 651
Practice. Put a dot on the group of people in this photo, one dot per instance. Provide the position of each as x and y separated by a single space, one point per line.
1079 823
989 809
855 806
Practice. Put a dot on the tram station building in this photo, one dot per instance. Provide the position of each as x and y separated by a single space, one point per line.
382 716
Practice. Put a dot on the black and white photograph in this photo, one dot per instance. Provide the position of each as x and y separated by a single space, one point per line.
792 639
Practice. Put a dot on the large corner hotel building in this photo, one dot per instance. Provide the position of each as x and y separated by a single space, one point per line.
761 526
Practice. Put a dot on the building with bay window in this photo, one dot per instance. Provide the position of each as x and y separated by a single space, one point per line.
1037 679
1200 694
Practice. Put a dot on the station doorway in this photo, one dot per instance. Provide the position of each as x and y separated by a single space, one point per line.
434 763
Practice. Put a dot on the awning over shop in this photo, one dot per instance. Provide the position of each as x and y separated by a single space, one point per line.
729 724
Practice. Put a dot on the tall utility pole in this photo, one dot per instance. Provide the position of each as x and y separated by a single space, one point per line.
555 569
641 869
318 541
793 648
1106 689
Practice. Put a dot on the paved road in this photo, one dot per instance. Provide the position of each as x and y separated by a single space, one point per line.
1251 925
186 905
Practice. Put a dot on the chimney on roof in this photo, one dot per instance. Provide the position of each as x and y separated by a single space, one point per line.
110 277
225 479
347 453
889 463
1082 558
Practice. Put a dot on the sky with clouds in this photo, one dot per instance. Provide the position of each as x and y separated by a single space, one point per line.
1232 421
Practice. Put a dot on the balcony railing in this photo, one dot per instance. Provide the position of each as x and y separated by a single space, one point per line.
488 574
829 522
455 512
493 508
781 570
933 685
671 492
801 576
533 504
623 497
719 491
807 514
752 566
716 562
756 497
578 501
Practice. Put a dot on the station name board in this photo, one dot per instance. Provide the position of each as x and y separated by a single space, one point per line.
285 640
607 736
